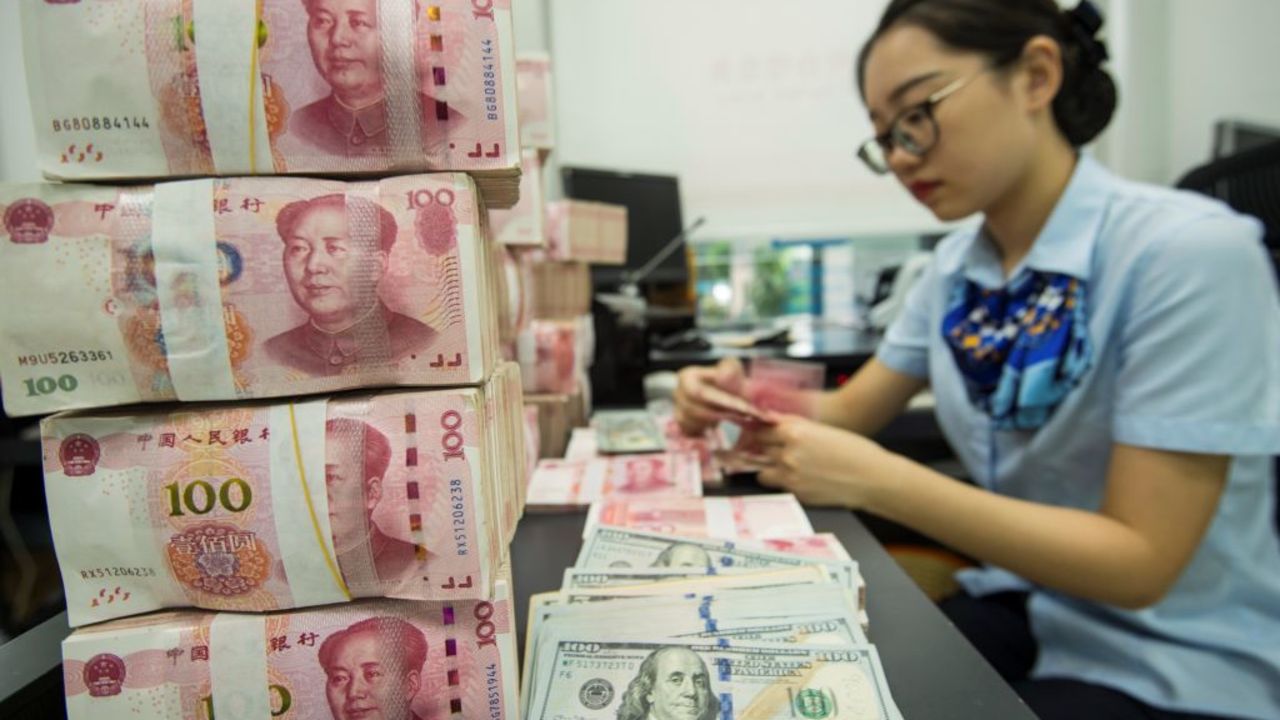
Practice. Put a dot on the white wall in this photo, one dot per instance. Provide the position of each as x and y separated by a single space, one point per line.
752 103
1223 63
1136 144
17 138
530 20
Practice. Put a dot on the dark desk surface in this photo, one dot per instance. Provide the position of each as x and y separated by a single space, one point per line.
833 345
932 670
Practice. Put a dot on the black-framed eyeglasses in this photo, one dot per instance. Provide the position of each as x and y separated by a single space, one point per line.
914 130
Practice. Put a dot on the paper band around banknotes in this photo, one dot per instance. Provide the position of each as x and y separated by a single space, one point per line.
299 549
191 308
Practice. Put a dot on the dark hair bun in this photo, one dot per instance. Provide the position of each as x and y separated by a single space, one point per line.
1088 97
1087 100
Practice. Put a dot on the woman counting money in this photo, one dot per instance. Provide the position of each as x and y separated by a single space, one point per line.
1105 360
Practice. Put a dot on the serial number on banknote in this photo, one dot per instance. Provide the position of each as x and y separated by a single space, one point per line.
100 122
112 572
490 79
495 691
65 357
458 506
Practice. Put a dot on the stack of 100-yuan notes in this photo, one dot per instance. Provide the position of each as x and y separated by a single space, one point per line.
224 289
585 442
297 510
659 625
168 88
351 549
627 459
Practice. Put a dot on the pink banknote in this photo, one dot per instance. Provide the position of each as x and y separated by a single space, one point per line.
537 101
784 386
523 225
576 484
589 232
554 355
707 446
260 507
822 546
515 292
241 288
387 659
163 88
558 289
750 517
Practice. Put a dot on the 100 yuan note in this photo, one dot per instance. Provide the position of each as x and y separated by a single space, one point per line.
240 288
263 507
166 88
386 658
590 675
730 518
577 484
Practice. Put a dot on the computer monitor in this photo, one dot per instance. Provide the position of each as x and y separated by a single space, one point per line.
653 219
1235 136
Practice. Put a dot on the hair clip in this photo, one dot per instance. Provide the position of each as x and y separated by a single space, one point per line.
1086 21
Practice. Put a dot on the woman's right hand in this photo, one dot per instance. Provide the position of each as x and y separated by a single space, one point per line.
694 412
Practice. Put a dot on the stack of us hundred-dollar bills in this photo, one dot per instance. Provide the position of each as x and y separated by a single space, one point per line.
656 625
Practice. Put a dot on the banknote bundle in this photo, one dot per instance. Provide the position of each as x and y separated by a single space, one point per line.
560 485
747 517
255 507
710 446
389 659
585 231
555 355
524 224
558 289
558 416
537 101
177 88
649 625
223 289
514 300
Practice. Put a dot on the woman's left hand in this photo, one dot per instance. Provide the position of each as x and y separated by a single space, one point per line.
820 464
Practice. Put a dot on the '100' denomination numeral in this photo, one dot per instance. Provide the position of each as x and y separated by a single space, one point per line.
424 198
280 693
47 385
199 497
485 630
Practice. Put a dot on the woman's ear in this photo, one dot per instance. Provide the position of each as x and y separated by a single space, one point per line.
1041 72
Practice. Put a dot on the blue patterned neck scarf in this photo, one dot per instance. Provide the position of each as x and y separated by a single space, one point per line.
1022 348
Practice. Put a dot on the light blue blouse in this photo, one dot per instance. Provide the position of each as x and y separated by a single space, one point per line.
1184 318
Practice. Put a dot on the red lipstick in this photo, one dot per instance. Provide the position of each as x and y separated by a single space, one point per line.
922 189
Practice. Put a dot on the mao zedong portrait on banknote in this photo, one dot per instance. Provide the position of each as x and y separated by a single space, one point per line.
346 46
646 475
336 250
357 459
672 684
373 668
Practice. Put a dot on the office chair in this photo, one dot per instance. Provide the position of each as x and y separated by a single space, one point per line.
1249 182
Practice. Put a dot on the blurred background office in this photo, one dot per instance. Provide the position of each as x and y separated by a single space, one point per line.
737 121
